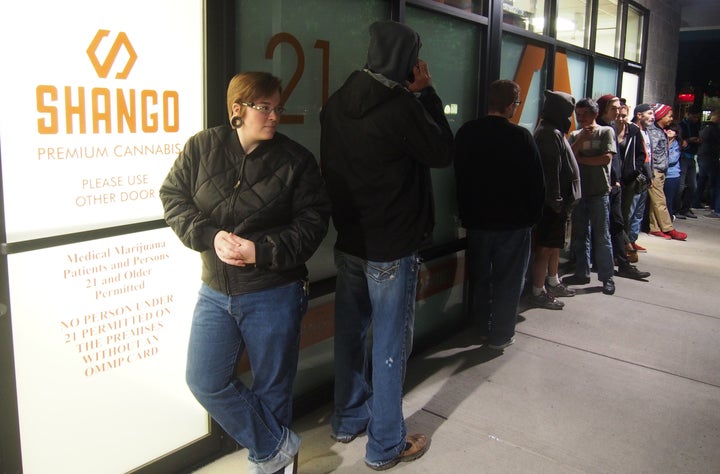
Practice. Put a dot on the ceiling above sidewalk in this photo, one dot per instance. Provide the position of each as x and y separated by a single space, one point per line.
700 15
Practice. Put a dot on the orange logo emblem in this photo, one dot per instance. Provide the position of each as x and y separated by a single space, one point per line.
103 69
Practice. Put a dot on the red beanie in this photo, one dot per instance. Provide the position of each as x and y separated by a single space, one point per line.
661 110
603 101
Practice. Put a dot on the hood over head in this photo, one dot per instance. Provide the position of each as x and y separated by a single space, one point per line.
393 50
558 108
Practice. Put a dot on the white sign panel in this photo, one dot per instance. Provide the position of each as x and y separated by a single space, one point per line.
96 101
100 332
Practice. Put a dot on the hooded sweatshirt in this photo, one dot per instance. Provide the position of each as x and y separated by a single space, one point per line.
378 142
562 176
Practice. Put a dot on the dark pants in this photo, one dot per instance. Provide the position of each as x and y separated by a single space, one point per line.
498 262
707 176
688 182
618 237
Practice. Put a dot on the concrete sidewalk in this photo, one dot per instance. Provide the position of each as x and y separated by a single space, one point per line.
628 383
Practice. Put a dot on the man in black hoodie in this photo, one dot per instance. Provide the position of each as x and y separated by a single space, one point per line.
562 191
382 131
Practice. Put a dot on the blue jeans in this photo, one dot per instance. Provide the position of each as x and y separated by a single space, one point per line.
368 386
637 212
266 324
592 213
498 261
672 185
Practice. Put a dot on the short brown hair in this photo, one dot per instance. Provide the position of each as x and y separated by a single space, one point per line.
251 86
501 94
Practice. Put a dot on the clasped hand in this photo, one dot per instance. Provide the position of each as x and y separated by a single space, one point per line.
234 250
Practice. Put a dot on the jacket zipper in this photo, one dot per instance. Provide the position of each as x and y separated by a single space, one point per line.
236 190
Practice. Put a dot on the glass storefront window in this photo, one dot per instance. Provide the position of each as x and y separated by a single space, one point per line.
474 6
451 47
630 87
571 21
525 64
605 78
526 14
633 35
577 68
313 49
606 31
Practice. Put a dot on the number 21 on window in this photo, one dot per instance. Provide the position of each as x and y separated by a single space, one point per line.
323 46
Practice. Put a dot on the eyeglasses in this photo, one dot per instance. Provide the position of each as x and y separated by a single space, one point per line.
266 110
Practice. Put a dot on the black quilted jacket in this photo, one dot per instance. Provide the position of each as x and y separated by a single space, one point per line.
274 196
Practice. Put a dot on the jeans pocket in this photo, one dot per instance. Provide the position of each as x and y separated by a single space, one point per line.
382 271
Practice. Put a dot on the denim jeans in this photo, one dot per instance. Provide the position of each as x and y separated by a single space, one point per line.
672 185
266 324
592 212
688 182
376 296
637 212
498 261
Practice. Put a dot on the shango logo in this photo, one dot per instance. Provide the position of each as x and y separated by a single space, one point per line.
70 109
104 69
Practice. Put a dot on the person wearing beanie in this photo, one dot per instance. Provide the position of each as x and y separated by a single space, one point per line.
562 191
593 146
653 124
609 106
381 132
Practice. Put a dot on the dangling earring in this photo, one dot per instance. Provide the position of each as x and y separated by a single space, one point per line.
236 121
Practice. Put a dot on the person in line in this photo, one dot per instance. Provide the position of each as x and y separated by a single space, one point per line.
253 203
381 132
594 146
609 109
672 176
562 191
501 192
653 125
690 131
708 156
636 176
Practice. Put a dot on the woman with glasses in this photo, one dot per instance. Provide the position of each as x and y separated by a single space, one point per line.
253 203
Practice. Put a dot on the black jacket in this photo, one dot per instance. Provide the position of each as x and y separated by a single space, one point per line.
274 197
377 146
499 175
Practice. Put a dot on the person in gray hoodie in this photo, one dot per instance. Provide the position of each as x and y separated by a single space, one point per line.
562 191
381 132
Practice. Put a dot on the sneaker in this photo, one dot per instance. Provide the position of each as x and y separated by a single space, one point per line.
609 287
345 438
638 248
559 291
290 468
679 216
631 271
502 345
546 300
576 280
415 446
659 233
713 214
689 214
678 235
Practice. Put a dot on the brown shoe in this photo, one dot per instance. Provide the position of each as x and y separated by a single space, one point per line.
415 446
